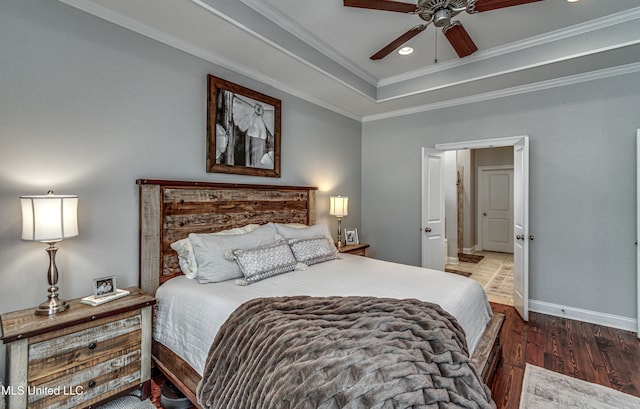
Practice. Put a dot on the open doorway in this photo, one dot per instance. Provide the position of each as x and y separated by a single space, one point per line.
481 245
434 214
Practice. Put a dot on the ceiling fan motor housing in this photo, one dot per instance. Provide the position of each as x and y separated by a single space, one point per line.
440 12
442 18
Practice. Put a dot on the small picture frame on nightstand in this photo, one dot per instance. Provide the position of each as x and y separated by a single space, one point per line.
351 236
104 286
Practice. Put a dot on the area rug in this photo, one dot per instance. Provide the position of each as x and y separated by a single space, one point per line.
545 389
128 402
501 284
469 258
458 272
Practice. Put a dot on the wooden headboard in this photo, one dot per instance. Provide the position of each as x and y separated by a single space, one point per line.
170 210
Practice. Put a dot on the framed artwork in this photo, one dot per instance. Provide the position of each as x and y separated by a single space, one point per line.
351 236
243 130
104 286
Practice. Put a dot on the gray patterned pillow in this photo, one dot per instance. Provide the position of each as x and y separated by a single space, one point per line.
264 262
312 251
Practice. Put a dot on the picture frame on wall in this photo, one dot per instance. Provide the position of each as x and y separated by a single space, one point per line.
243 130
351 236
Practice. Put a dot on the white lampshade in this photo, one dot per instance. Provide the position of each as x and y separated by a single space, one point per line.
49 218
339 206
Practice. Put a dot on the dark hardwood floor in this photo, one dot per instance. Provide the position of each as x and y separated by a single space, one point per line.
593 353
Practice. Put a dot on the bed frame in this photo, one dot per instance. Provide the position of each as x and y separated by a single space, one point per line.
170 210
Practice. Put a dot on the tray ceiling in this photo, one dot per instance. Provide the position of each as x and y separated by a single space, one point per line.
319 50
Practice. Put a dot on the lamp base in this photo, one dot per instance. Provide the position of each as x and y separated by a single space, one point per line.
51 307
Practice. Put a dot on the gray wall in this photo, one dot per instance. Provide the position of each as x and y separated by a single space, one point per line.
87 107
582 185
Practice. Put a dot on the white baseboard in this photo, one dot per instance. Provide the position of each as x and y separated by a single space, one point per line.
469 250
578 314
453 260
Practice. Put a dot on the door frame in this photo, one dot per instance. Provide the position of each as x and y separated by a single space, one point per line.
523 140
479 192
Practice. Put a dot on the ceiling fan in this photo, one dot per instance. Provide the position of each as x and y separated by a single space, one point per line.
438 12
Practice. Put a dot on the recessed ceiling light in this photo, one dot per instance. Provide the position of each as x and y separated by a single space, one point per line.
573 1
405 51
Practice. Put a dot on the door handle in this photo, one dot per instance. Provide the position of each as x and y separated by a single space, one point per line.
427 229
519 237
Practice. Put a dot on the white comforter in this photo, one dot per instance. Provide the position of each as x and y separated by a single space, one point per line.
189 314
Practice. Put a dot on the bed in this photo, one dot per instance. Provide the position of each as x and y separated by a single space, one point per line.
183 332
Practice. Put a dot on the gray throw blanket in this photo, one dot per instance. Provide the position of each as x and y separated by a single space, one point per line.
340 352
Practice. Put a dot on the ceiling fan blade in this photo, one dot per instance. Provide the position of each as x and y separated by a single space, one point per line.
398 42
386 5
486 5
459 39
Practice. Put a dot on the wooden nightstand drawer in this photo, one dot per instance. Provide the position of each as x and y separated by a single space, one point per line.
89 384
58 355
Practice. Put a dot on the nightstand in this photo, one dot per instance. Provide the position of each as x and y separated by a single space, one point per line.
80 357
356 249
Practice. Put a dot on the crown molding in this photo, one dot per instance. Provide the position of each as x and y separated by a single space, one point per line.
306 36
214 58
556 35
282 49
135 26
277 17
507 92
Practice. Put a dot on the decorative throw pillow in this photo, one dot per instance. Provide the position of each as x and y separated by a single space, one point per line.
264 262
210 250
187 259
312 251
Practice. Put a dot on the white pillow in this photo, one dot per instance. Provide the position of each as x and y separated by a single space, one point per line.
211 249
295 225
187 259
302 233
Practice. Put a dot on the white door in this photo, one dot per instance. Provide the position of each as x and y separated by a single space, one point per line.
521 227
495 208
638 228
432 209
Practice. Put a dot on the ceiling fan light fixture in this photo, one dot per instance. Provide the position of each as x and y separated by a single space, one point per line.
405 51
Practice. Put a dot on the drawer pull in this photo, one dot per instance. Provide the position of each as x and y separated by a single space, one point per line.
93 345
92 384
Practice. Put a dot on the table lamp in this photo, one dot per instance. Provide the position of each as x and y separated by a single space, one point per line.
49 219
339 208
